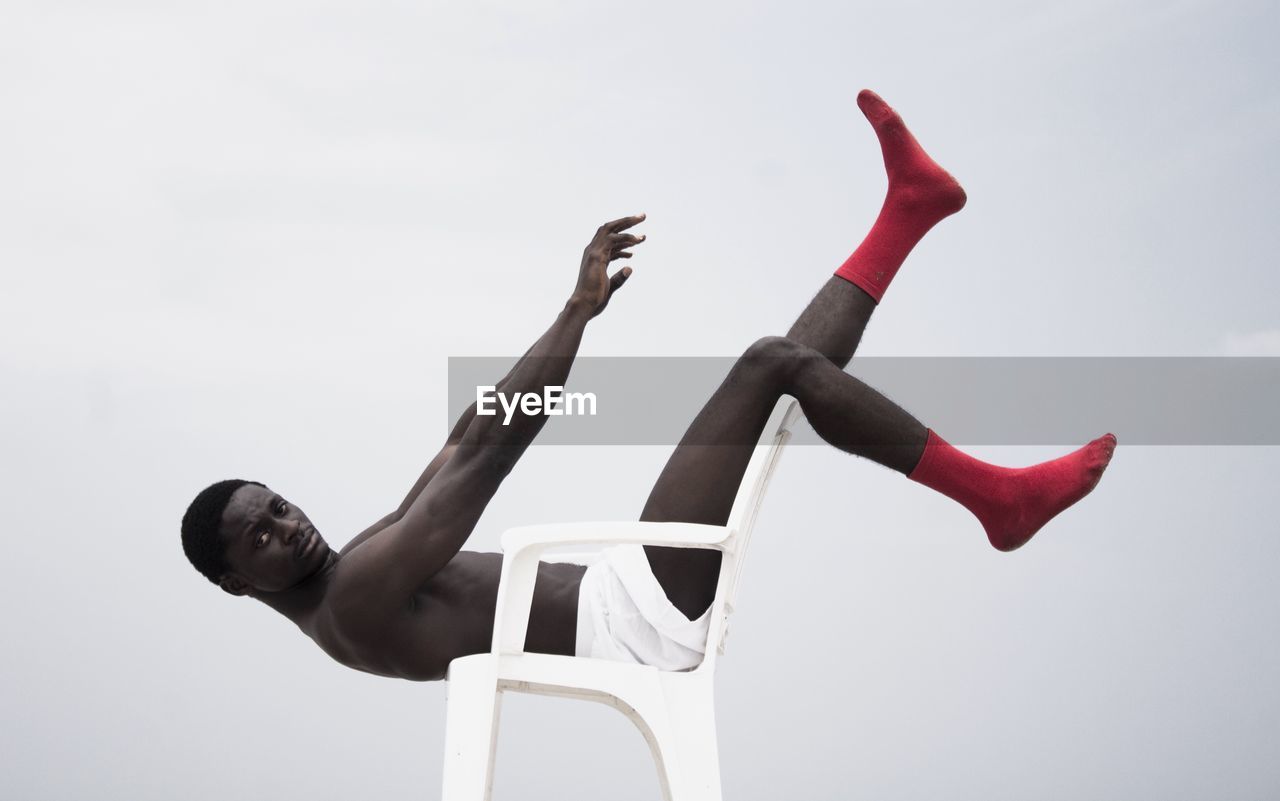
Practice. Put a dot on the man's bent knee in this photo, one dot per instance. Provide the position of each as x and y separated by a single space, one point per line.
777 357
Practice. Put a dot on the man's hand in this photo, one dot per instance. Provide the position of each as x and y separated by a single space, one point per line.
595 285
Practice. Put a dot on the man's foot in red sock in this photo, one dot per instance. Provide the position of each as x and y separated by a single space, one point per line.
915 179
920 195
1013 503
1035 495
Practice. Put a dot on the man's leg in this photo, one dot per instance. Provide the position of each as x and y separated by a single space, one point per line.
701 479
1011 503
834 320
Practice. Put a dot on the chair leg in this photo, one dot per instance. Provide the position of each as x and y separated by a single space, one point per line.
471 734
678 721
693 763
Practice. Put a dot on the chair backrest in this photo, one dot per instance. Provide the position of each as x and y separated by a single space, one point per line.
742 519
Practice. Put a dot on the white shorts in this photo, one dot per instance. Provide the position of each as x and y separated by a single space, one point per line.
625 616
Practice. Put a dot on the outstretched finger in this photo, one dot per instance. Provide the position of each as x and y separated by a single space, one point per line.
626 240
619 254
618 279
623 223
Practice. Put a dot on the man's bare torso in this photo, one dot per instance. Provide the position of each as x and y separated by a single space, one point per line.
451 615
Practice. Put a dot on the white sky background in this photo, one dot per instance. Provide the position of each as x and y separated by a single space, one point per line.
241 239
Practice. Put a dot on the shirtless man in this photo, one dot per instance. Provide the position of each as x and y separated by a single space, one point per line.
403 600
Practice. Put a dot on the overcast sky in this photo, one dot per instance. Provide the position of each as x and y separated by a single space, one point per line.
242 239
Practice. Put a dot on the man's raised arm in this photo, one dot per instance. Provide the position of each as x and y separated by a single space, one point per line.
439 520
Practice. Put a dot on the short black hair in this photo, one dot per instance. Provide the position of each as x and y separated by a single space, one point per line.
200 538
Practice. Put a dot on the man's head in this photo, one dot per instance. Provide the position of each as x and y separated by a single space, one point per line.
244 537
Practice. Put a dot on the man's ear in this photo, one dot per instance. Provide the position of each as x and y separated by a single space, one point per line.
233 584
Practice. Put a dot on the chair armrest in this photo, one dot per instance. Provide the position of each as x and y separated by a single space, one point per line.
632 531
523 546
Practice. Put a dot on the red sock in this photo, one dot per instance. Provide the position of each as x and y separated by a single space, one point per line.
1012 503
920 194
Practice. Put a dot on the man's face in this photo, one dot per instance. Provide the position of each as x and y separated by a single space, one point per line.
270 543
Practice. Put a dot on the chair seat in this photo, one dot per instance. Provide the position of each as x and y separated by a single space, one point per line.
598 680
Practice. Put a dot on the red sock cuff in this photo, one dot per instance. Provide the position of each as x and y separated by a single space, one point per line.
932 446
849 271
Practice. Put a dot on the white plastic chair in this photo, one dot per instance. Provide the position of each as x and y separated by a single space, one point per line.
673 710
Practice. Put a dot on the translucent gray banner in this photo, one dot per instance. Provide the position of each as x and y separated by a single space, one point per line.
972 401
